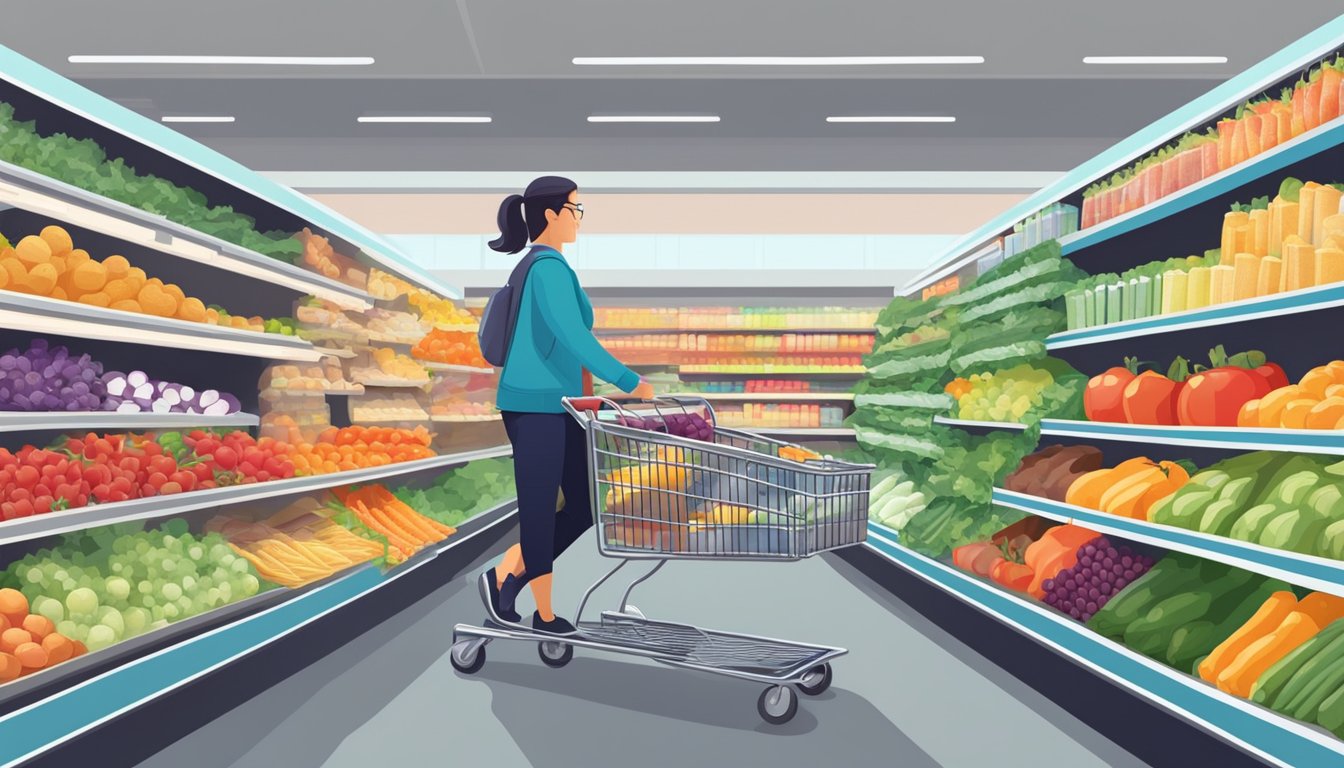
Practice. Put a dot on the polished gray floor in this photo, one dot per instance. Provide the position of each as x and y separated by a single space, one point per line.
907 695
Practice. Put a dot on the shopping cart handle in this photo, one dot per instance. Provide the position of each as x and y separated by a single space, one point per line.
586 403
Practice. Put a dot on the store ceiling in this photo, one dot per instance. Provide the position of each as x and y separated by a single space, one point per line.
1032 106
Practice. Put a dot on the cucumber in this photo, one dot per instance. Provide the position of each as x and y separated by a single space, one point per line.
1135 599
1331 541
1267 687
1250 525
1331 713
1151 634
1238 490
1191 643
1219 517
883 486
1186 507
1327 683
1293 691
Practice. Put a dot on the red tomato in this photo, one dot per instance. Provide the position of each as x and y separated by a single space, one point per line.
27 477
163 464
1213 398
226 457
202 472
1151 399
1272 373
170 487
1104 398
23 508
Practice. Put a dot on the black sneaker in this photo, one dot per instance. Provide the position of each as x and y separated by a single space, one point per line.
490 596
556 626
508 593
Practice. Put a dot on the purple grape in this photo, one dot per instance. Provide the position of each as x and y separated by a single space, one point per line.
1107 562
1106 590
1127 574
1089 549
1048 585
1120 583
1094 593
1075 613
1126 560
1086 616
1091 607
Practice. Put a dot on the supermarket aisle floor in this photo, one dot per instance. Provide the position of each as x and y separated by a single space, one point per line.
908 694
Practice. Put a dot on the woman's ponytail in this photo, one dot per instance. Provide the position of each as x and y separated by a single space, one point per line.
512 228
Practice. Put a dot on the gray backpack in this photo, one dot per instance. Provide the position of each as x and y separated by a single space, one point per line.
500 317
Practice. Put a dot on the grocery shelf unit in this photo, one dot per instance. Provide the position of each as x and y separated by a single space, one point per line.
147 680
686 364
1175 225
55 708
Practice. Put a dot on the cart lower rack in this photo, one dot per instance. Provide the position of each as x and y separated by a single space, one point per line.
660 495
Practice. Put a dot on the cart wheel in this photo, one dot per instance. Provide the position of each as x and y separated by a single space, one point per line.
816 681
778 704
467 656
555 654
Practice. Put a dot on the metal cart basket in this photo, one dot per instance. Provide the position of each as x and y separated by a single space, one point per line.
669 484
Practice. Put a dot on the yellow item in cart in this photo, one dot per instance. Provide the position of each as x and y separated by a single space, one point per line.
1246 276
1270 269
1259 240
1299 265
1306 211
1220 284
1232 222
1329 266
1283 225
1327 205
1197 288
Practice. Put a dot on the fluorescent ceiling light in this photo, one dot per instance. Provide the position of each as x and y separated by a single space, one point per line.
424 119
769 61
303 61
891 119
1154 59
197 118
653 118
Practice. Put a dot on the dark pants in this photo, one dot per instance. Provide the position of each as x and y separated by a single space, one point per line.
549 455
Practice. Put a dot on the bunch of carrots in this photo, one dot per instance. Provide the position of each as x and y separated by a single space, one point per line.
405 529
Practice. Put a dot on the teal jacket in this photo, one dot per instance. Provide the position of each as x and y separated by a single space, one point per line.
553 342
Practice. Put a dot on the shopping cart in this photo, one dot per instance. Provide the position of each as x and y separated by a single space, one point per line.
660 496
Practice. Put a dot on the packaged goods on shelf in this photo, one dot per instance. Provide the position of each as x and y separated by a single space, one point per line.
1051 223
323 376
381 406
693 363
779 415
442 313
387 287
48 264
383 366
729 318
291 416
320 257
397 327
449 398
1257 126
83 163
942 287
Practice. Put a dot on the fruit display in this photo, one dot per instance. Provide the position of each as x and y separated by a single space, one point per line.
49 265
1050 223
1258 126
1129 489
782 343
110 584
941 288
297 546
347 448
1024 393
451 348
293 416
729 318
462 492
1315 402
1292 242
779 415
385 286
386 406
688 424
1101 571
468 397
29 641
327 325
1277 500
320 257
766 365
82 163
1214 396
323 376
395 327
441 313
386 366
404 530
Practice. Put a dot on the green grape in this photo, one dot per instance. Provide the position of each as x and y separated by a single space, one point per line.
170 611
117 588
196 552
136 620
148 601
214 596
250 585
67 627
171 592
98 636
188 583
241 566
82 600
184 605
110 617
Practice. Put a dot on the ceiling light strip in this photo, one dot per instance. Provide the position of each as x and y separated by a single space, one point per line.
299 61
771 61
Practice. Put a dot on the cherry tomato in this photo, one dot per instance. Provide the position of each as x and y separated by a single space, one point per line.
226 457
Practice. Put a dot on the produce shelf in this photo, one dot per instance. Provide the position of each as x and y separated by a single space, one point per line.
384 338
1010 426
1226 96
1268 735
754 371
775 397
65 421
443 418
67 204
38 727
390 383
449 368
798 431
1276 305
37 314
1322 138
22 529
1324 441
457 328
858 330
1319 573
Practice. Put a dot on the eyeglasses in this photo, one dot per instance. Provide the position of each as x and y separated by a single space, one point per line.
577 208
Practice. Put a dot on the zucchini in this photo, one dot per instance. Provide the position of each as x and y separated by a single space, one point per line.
1267 687
1326 683
1294 690
1219 517
1191 643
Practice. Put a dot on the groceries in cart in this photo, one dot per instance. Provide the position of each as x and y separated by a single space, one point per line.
664 488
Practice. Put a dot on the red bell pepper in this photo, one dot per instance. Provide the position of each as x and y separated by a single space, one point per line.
1103 400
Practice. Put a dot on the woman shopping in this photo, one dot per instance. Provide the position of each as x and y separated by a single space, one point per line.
552 342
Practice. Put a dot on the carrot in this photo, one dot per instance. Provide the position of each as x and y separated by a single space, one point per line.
1322 608
1238 677
1269 125
411 520
1331 81
1251 134
1283 116
1311 105
1299 120
437 530
396 538
1267 619
1239 149
1226 129
394 525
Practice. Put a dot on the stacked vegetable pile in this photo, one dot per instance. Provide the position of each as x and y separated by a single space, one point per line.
463 492
84 164
1101 571
297 545
992 332
1182 608
1256 127
1315 402
1130 489
29 641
